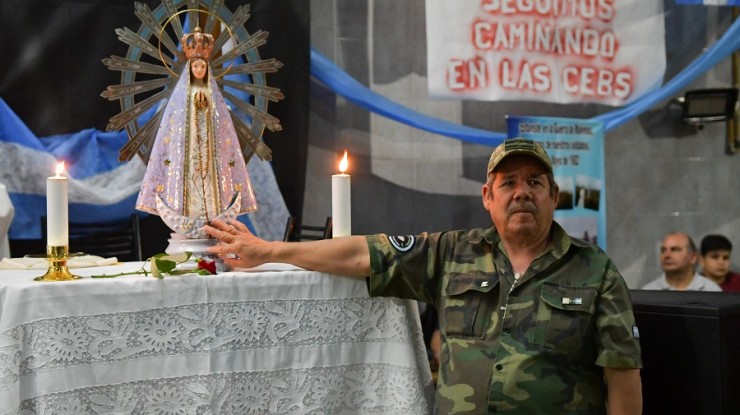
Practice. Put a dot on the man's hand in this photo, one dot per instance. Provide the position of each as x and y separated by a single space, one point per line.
238 247
347 256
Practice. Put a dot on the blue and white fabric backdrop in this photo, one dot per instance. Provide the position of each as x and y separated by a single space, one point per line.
100 188
342 84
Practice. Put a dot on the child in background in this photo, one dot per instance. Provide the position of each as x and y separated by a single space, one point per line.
715 262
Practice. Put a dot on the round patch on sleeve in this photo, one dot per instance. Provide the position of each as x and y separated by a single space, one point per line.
402 243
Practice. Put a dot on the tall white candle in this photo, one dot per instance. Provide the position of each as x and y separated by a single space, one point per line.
57 226
341 203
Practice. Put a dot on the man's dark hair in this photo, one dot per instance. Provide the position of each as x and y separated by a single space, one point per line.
715 243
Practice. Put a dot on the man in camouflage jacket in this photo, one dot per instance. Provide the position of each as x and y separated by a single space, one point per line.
533 321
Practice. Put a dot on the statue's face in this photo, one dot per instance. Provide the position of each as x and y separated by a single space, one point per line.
198 68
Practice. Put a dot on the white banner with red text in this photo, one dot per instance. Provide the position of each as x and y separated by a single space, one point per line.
566 51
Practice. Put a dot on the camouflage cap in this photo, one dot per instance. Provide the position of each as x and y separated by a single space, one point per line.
521 146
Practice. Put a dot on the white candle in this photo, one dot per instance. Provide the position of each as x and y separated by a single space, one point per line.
341 205
57 226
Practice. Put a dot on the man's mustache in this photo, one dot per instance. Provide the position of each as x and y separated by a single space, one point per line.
526 207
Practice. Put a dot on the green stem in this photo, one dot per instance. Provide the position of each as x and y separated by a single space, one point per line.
140 271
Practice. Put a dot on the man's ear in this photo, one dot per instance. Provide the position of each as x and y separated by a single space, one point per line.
486 195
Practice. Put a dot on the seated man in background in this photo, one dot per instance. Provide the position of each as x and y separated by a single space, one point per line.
531 320
678 259
715 262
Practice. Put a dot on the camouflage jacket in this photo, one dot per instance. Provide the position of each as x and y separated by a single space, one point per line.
536 345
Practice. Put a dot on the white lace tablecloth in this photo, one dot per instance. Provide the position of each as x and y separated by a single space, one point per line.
265 341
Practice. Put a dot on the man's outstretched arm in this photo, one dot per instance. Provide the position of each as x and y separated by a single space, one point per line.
341 256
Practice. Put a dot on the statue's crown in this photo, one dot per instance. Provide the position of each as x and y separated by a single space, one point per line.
197 44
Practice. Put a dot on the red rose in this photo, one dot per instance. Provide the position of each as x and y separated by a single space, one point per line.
209 266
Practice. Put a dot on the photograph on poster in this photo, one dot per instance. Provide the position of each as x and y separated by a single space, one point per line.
581 227
588 192
565 196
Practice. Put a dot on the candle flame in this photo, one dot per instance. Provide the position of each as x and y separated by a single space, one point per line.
60 168
344 163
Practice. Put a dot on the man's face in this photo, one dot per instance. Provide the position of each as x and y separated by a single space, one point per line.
519 198
675 254
716 264
198 67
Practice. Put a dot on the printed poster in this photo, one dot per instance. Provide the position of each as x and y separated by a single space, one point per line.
565 51
576 148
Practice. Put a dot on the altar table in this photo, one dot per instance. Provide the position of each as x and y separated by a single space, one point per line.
273 340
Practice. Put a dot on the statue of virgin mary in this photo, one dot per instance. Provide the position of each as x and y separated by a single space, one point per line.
196 170
195 147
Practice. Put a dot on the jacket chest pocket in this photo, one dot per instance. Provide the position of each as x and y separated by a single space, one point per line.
565 317
468 304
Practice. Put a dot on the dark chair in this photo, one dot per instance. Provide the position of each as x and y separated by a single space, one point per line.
297 231
120 239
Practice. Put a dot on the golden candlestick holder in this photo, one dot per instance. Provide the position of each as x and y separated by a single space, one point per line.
58 270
